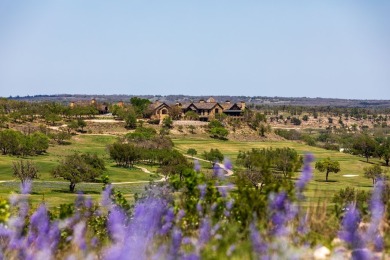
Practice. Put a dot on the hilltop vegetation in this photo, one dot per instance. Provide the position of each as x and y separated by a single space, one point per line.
262 154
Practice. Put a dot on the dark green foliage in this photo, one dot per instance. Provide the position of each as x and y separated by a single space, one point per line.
219 133
60 136
213 155
364 145
262 163
288 134
167 122
141 134
140 105
78 168
191 115
174 163
130 120
192 151
295 121
348 195
328 166
15 143
124 154
373 172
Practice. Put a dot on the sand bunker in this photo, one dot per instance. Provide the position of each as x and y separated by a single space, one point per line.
350 175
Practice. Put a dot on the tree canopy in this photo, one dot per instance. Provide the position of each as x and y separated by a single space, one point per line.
328 166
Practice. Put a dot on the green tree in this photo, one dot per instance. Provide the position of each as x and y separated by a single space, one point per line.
383 150
327 166
60 136
213 155
125 154
191 115
364 145
140 105
81 124
373 172
78 168
219 133
39 142
130 120
52 118
9 141
192 152
24 170
167 122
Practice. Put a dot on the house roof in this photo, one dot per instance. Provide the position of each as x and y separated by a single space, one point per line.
206 105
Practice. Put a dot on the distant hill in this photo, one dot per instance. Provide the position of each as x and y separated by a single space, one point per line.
256 100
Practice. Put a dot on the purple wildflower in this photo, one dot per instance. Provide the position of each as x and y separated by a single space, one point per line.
350 233
218 172
214 206
230 250
79 232
227 164
137 236
202 190
204 232
199 208
116 223
168 221
229 204
39 228
25 186
180 215
282 211
176 243
307 174
197 165
258 245
106 197
377 210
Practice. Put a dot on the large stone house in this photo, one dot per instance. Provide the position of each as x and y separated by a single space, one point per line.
205 109
160 110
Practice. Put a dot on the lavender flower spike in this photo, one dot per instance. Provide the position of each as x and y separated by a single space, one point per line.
307 174
25 186
377 210
196 166
351 235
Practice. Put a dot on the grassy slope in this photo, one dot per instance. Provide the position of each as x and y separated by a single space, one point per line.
55 191
318 188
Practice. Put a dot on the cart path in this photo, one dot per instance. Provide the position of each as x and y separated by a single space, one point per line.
221 165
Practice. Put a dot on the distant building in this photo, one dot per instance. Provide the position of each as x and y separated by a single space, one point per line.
205 109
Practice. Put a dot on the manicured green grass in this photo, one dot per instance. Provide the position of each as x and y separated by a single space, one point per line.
318 188
55 190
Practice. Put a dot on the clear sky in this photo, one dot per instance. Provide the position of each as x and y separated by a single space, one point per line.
285 48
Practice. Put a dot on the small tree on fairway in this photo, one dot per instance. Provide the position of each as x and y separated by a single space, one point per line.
373 172
328 166
78 168
25 170
192 152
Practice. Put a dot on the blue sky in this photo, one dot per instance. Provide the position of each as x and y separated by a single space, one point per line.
255 48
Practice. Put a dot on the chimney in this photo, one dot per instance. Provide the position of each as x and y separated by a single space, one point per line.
201 101
227 101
